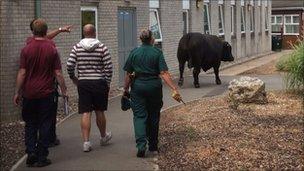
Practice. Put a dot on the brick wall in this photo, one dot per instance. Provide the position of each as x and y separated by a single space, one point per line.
172 30
196 17
15 17
55 17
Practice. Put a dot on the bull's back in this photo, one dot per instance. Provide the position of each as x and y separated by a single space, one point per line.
203 49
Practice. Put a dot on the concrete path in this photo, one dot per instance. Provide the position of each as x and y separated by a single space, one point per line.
239 68
120 154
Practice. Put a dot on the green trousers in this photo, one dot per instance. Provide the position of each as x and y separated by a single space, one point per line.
146 103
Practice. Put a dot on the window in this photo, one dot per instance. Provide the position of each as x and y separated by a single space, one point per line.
186 7
251 3
276 24
206 19
291 24
185 22
221 20
154 3
155 25
252 19
251 15
186 4
242 3
243 26
233 17
266 18
261 18
88 16
266 3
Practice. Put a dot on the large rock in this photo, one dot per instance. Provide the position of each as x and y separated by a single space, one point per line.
247 90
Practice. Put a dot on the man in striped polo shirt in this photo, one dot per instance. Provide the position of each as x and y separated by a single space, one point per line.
95 70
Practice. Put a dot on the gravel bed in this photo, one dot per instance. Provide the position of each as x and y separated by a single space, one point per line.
207 134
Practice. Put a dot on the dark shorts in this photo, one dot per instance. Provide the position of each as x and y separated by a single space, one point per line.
93 95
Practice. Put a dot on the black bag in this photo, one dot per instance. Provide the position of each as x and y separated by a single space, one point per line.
125 101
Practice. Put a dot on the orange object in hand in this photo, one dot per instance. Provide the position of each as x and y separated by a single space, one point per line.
176 96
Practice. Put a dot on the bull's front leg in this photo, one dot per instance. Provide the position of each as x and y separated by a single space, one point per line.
196 72
181 73
217 78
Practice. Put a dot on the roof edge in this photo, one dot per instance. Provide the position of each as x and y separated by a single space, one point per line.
288 8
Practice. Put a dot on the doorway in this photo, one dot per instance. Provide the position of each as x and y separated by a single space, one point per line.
127 38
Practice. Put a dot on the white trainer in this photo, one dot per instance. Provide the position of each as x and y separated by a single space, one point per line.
87 147
104 140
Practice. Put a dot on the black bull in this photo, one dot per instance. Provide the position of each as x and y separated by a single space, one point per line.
202 51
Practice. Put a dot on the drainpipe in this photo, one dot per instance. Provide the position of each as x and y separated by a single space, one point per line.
37 9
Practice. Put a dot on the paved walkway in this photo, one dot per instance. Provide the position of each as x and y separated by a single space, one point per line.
237 69
120 154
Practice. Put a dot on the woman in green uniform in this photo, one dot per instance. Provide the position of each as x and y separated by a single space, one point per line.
145 67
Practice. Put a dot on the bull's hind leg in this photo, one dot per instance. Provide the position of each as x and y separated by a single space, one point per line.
217 78
196 72
181 72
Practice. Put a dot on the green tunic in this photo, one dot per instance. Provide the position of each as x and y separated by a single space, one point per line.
146 93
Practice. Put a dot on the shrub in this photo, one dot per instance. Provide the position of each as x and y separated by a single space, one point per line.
282 63
295 67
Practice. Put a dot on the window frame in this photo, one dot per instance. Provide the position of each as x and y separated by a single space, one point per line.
276 23
261 18
266 3
252 19
153 4
233 19
187 12
208 18
221 17
266 18
242 2
259 2
243 19
291 24
186 4
251 2
90 8
159 25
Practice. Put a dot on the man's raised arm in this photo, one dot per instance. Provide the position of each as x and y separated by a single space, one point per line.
54 33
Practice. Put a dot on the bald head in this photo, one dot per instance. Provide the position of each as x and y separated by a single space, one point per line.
89 31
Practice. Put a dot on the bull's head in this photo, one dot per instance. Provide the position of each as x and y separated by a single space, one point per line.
227 55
